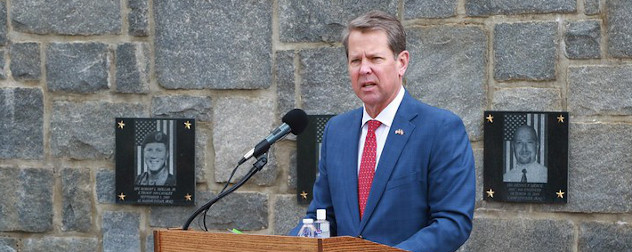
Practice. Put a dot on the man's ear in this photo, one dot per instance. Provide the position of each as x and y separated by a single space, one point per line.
402 62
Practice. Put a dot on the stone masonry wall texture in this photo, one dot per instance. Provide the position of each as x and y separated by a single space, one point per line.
69 67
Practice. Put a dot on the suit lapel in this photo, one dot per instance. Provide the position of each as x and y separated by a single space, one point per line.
350 166
390 154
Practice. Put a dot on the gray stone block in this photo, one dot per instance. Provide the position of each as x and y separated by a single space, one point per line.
433 78
583 40
76 200
149 242
213 44
287 213
292 177
27 201
619 28
240 210
3 73
251 115
326 87
201 145
183 106
243 211
606 190
21 123
520 235
132 68
106 185
138 17
429 9
77 67
591 7
600 236
511 7
121 231
85 130
25 61
74 17
286 88
527 99
8 244
3 23
600 90
323 20
175 216
525 51
478 163
61 244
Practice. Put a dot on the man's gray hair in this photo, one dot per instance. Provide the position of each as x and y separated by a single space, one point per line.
378 21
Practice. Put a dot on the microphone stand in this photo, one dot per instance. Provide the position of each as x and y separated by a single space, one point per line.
262 160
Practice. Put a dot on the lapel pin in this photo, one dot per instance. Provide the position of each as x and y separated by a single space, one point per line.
399 132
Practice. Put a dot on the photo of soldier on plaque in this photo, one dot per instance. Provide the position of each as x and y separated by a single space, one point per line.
155 161
154 153
525 154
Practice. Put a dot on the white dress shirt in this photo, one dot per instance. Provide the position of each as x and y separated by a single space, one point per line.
381 133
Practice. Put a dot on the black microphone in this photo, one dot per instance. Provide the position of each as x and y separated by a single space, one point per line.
294 121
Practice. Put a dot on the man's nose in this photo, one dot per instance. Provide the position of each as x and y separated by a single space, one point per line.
365 67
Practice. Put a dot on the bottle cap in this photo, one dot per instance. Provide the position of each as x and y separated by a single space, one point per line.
321 214
308 221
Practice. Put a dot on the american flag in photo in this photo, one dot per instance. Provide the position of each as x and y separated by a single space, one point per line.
144 127
511 123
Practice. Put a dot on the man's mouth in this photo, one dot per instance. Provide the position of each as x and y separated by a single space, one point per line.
368 84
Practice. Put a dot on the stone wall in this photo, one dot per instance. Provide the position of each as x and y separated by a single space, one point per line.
68 68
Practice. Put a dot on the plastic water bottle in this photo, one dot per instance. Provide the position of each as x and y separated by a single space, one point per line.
308 229
322 224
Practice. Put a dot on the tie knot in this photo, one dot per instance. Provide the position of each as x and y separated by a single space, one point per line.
373 124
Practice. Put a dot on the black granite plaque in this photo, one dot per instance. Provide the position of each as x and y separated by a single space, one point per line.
526 156
155 161
308 155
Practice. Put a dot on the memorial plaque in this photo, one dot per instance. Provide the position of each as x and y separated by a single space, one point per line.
526 156
308 155
155 161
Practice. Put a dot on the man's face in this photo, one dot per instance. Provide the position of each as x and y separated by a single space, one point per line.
155 156
526 146
376 75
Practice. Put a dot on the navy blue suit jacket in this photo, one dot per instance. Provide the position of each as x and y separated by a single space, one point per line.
423 193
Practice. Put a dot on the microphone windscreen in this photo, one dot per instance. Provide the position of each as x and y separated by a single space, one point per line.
297 120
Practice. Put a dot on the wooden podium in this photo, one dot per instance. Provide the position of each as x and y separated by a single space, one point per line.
181 240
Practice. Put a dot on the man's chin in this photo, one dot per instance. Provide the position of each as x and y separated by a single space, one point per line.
154 170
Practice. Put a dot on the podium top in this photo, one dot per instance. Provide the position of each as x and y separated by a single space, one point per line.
188 240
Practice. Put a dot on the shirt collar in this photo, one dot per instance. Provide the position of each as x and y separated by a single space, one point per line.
388 114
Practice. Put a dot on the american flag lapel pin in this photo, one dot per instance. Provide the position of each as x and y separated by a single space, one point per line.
399 132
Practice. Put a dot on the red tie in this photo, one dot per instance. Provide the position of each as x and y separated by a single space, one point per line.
367 166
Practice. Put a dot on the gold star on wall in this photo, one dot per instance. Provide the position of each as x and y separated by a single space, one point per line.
121 196
121 124
187 125
490 118
304 195
560 194
560 119
490 193
187 197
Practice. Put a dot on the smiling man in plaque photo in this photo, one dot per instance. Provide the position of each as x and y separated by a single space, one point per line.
155 153
526 169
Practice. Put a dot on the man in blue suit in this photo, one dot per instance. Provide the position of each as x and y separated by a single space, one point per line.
396 171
